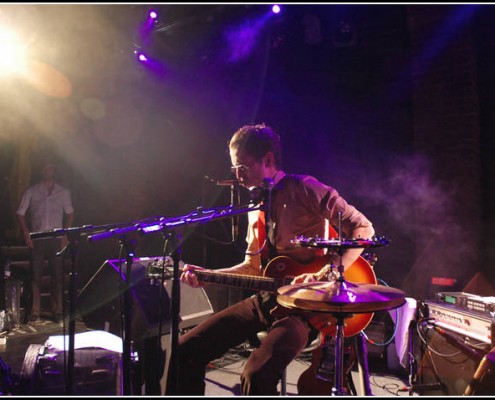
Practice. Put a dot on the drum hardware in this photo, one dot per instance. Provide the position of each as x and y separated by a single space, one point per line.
337 244
339 297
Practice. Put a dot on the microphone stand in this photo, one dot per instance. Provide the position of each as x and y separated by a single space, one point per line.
73 247
160 224
173 374
73 235
129 247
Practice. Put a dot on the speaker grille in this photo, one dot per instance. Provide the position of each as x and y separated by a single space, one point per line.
454 367
99 302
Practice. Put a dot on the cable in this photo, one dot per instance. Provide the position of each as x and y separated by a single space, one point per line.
424 322
396 324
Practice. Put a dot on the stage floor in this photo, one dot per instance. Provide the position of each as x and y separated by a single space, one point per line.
222 378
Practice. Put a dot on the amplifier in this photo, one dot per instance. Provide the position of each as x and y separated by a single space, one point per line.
473 324
468 301
100 301
446 364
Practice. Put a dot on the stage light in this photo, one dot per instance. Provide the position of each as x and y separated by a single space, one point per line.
147 25
141 56
13 52
149 63
276 9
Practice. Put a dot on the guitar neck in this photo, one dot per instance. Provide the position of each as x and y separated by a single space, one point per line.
256 283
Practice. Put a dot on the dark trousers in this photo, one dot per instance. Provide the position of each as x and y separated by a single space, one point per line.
46 249
229 328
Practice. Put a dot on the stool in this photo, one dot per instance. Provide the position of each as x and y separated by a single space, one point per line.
310 347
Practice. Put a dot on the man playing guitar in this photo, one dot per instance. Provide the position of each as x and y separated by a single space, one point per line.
298 205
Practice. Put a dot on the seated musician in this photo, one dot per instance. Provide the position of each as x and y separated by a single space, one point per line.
301 206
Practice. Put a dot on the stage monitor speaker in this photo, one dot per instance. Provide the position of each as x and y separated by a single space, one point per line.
479 285
454 367
99 301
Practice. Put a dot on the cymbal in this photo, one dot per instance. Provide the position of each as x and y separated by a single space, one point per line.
340 244
340 297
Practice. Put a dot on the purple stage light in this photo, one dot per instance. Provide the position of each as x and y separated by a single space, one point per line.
141 57
153 14
276 8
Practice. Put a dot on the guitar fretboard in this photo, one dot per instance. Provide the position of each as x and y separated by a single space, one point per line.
243 281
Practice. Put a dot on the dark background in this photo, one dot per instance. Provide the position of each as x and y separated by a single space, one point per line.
390 104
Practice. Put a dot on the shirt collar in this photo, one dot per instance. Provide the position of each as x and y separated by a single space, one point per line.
278 176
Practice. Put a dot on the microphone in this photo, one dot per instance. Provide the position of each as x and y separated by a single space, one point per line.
263 193
228 182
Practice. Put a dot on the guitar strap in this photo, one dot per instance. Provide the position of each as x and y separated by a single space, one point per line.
268 252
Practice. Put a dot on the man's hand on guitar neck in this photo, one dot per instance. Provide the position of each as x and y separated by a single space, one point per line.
189 277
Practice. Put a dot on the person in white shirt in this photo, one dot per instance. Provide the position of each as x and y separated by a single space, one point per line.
44 206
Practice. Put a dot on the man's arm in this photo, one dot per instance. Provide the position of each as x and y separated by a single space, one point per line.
251 265
348 258
24 204
69 220
243 268
351 255
25 230
354 225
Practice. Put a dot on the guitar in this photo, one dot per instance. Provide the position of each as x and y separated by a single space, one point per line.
279 272
318 378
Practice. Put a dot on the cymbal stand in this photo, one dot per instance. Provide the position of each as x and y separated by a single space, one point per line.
338 389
